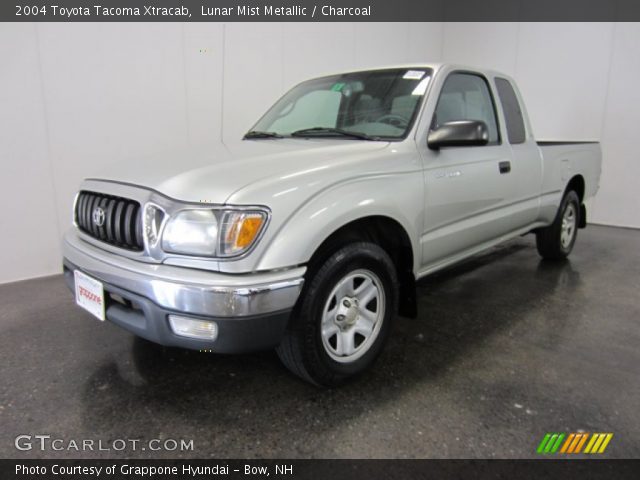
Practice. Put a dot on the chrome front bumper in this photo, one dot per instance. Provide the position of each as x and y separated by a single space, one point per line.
186 290
251 311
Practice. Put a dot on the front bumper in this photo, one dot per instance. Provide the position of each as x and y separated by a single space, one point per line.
251 311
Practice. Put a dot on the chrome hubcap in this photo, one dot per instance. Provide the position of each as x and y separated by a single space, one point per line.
352 316
568 229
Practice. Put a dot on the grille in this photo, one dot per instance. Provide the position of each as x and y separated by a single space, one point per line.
121 223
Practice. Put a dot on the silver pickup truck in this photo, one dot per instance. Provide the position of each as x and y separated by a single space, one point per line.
309 234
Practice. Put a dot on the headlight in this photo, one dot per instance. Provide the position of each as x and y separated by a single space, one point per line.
194 232
212 233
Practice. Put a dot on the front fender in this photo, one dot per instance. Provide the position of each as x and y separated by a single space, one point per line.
399 196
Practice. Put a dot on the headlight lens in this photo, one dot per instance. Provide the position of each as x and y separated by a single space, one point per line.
193 232
212 233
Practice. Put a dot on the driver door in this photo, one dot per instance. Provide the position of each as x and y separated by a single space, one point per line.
468 188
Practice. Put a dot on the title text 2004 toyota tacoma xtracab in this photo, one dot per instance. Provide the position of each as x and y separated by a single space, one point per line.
309 234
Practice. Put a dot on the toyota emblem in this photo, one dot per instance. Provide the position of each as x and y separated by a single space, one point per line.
98 216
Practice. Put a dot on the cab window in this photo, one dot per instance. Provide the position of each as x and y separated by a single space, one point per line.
466 96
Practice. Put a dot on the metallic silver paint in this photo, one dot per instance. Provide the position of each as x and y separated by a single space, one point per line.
452 203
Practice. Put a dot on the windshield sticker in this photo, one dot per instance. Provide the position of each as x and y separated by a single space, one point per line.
422 87
337 87
413 74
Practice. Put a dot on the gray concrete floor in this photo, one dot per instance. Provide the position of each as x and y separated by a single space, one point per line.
507 348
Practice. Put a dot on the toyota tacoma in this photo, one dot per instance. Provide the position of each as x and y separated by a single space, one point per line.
308 234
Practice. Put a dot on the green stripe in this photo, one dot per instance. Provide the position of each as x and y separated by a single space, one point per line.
550 443
543 442
558 442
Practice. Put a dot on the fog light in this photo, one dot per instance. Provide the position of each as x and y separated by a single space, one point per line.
193 328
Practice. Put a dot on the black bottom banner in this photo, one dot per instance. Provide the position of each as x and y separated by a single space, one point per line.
318 469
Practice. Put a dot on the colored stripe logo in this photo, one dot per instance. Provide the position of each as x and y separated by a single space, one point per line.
574 443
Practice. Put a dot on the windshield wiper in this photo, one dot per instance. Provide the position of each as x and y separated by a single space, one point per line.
258 134
327 131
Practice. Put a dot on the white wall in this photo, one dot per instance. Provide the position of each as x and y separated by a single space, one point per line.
30 226
618 201
580 81
78 97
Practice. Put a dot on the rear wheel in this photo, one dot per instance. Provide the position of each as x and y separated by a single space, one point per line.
556 241
343 317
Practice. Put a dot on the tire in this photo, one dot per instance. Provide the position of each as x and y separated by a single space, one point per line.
556 241
342 319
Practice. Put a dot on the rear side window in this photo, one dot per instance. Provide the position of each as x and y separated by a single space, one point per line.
512 111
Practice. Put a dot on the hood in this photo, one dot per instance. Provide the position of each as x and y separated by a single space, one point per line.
213 173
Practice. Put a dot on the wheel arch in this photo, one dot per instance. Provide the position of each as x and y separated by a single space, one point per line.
385 232
577 184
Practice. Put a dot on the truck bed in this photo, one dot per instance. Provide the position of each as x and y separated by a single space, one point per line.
562 160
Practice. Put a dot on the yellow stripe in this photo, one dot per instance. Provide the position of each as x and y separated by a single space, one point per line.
584 439
607 439
567 442
596 445
591 442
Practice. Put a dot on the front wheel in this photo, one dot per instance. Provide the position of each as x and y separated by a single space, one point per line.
556 241
343 317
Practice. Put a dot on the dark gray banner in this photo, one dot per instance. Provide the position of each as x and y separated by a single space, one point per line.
318 469
318 10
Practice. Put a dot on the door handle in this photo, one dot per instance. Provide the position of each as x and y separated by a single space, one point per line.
505 167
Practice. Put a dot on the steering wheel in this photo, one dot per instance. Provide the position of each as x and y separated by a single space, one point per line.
394 120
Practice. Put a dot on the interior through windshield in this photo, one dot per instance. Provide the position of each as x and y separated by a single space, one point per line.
377 104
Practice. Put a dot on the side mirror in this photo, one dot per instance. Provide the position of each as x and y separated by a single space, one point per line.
461 133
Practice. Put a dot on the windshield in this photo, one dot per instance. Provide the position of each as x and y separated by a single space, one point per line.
377 104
